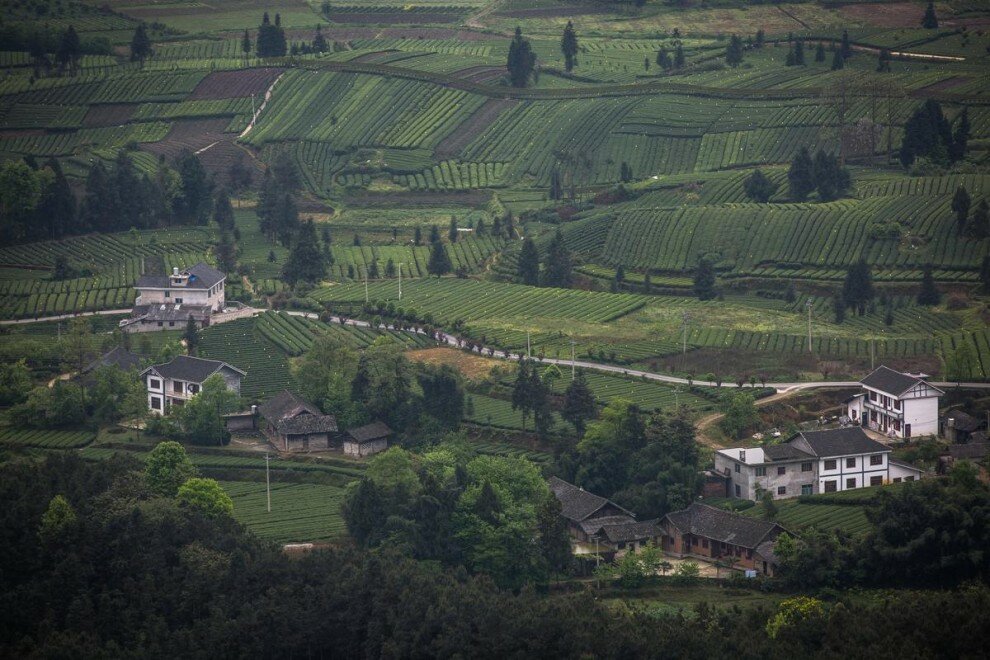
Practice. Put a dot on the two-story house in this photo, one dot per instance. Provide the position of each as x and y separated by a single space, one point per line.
592 518
174 383
898 404
811 462
169 301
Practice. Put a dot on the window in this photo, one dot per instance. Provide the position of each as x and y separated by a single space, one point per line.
193 389
781 470
897 404
154 384
897 480
160 324
851 482
168 294
850 462
171 324
737 467
830 464
704 543
738 492
908 478
806 489
177 386
876 481
873 396
805 467
876 459
178 301
156 403
782 490
694 541
830 486
761 472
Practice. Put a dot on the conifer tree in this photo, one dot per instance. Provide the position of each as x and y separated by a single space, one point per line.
439 263
663 59
434 234
522 399
838 61
929 294
521 60
569 46
960 137
57 206
799 52
69 51
760 38
417 236
985 273
452 232
226 252
319 41
223 212
801 175
528 268
557 272
839 308
820 52
734 51
758 187
857 291
679 59
704 279
846 46
191 336
979 224
246 44
960 206
140 45
305 262
579 403
930 21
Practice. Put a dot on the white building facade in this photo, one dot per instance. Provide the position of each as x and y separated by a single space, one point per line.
897 404
174 383
168 301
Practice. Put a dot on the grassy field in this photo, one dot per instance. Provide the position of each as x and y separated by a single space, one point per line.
300 512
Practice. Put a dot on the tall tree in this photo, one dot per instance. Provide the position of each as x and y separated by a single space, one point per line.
758 187
734 51
522 399
452 232
194 201
579 403
704 279
929 294
557 270
979 224
226 252
223 212
927 133
930 21
521 60
191 336
305 262
140 45
960 136
57 206
679 59
799 52
439 263
69 51
801 175
246 44
528 267
168 467
417 236
820 52
663 59
960 206
857 291
838 61
846 46
985 273
569 46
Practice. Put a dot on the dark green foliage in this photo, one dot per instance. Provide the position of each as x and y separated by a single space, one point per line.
838 61
625 172
305 263
960 136
140 45
223 212
320 44
846 46
979 224
820 52
929 294
443 393
799 52
663 59
734 51
557 267
246 43
857 291
579 403
927 133
191 336
758 187
521 391
801 175
569 46
883 61
831 179
930 21
760 38
271 38
556 185
679 59
194 202
521 60
452 232
69 52
528 268
704 280
985 273
418 236
839 308
439 263
226 252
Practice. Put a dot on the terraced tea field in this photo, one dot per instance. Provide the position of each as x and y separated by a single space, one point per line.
300 512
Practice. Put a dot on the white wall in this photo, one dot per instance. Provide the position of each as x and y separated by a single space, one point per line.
922 415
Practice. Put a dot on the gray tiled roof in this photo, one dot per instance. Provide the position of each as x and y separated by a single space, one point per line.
191 369
718 525
840 442
784 452
119 357
285 404
369 432
306 423
171 312
201 276
890 381
631 531
592 526
576 503
964 422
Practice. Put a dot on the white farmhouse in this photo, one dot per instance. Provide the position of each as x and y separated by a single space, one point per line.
810 463
173 383
168 301
900 405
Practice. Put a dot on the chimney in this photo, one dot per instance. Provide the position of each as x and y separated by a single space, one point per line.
951 422
742 455
254 410
175 271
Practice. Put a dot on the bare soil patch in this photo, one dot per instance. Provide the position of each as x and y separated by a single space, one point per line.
235 84
191 134
110 114
474 367
554 12
473 127
393 18
894 15
943 85
20 132
365 199
480 74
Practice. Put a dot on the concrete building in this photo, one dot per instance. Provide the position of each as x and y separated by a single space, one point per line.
897 404
811 462
169 301
368 439
173 383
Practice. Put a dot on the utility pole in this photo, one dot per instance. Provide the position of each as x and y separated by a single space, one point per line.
873 343
573 344
677 403
366 286
529 353
400 281
268 483
809 304
684 322
254 113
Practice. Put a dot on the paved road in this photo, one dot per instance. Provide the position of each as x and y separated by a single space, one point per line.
456 342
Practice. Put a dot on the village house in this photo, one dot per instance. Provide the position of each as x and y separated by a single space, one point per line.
593 518
117 358
712 534
293 424
974 452
368 439
169 301
960 427
174 383
809 463
897 404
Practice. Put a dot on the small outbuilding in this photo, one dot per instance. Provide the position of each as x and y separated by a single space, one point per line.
368 439
293 424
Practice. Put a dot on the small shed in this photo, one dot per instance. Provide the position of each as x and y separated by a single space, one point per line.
366 440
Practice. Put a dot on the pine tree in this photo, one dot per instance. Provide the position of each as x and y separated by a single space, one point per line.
820 52
663 59
825 176
839 308
579 403
929 294
927 133
528 268
760 38
569 46
960 206
191 336
226 252
625 172
556 186
246 44
758 187
883 61
679 59
979 224
305 262
838 61
985 273
522 399
647 283
930 21
799 52
193 203
846 47
439 263
960 137
57 207
223 212
140 45
434 234
521 60
857 291
69 51
452 231
734 51
801 175
704 279
417 236
319 41
557 272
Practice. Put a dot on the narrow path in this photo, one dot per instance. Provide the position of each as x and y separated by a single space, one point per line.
257 113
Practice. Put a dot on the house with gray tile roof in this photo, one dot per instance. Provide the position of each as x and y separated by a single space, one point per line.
368 439
293 424
173 383
897 404
593 518
169 301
